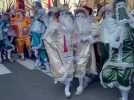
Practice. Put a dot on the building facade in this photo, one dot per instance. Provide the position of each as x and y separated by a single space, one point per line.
5 4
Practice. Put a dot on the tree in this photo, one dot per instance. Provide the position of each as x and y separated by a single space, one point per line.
55 3
7 5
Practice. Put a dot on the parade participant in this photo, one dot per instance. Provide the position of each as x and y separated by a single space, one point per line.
94 24
13 18
40 11
119 68
38 28
58 42
22 24
1 38
50 15
84 51
12 28
6 45
11 33
67 21
107 32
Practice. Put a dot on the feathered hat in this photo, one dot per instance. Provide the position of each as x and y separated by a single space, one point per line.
52 11
104 9
65 12
89 9
81 10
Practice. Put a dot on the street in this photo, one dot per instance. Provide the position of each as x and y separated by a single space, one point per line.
18 81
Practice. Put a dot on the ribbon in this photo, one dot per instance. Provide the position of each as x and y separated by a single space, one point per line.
49 4
65 45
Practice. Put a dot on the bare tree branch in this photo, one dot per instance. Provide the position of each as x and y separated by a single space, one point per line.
64 2
68 2
53 1
78 3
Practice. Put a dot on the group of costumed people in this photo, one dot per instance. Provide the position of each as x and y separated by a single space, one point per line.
22 34
77 45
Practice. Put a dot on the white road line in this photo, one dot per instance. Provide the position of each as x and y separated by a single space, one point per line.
29 64
4 70
47 73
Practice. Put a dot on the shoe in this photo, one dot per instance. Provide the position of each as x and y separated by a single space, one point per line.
67 93
22 58
11 60
79 90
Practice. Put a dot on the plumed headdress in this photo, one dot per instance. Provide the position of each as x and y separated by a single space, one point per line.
90 10
104 9
81 10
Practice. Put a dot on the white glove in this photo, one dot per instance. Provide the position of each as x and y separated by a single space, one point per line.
91 39
87 39
116 43
5 30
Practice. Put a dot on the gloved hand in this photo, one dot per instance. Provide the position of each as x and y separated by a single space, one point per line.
89 39
116 43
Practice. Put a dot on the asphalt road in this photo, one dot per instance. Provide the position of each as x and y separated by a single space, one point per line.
24 84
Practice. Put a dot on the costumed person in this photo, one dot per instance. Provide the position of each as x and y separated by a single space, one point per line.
13 18
11 35
7 46
67 22
59 46
84 50
38 28
12 28
94 25
22 24
40 11
106 30
118 69
1 38
50 15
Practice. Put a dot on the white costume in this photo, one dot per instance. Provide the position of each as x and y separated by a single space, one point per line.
119 68
59 45
108 34
84 51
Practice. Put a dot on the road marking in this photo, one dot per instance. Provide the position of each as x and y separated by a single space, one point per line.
47 73
29 64
4 70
